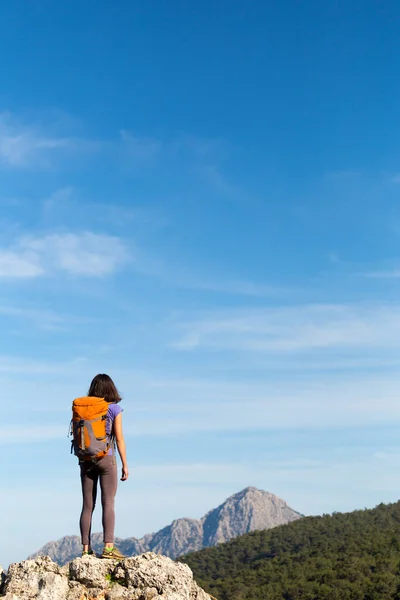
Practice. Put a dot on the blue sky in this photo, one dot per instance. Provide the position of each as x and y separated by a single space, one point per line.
202 201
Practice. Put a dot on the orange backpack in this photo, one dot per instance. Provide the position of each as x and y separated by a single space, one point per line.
88 428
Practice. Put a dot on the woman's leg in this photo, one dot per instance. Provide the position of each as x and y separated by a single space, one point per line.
89 477
108 485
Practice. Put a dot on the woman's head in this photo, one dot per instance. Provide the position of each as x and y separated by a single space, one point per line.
103 386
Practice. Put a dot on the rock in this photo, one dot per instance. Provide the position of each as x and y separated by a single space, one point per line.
40 578
91 572
146 577
154 572
196 593
2 578
76 591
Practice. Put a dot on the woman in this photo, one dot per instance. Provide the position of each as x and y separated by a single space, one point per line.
104 470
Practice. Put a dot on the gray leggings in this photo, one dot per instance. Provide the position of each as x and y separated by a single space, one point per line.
106 471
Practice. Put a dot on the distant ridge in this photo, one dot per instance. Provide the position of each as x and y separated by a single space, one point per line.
249 510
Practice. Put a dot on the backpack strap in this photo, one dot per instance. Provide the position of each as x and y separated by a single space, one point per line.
83 444
71 434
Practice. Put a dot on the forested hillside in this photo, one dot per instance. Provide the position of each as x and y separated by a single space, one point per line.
354 556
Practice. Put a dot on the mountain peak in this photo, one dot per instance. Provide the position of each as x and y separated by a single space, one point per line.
256 497
245 511
250 491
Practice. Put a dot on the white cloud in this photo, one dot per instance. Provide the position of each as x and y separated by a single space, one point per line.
217 406
19 264
86 254
184 408
35 146
83 254
295 329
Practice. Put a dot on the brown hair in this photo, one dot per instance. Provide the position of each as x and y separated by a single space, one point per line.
103 386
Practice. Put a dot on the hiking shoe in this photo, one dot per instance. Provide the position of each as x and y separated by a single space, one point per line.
88 553
112 553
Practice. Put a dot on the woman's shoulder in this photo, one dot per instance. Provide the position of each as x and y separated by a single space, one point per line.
114 410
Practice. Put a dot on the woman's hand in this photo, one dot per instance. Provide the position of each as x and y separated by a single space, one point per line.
125 473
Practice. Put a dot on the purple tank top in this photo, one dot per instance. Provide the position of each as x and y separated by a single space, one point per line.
113 411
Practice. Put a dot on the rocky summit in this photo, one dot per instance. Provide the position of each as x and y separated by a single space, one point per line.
249 510
146 577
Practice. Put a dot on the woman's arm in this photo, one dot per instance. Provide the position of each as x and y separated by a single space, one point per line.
119 437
